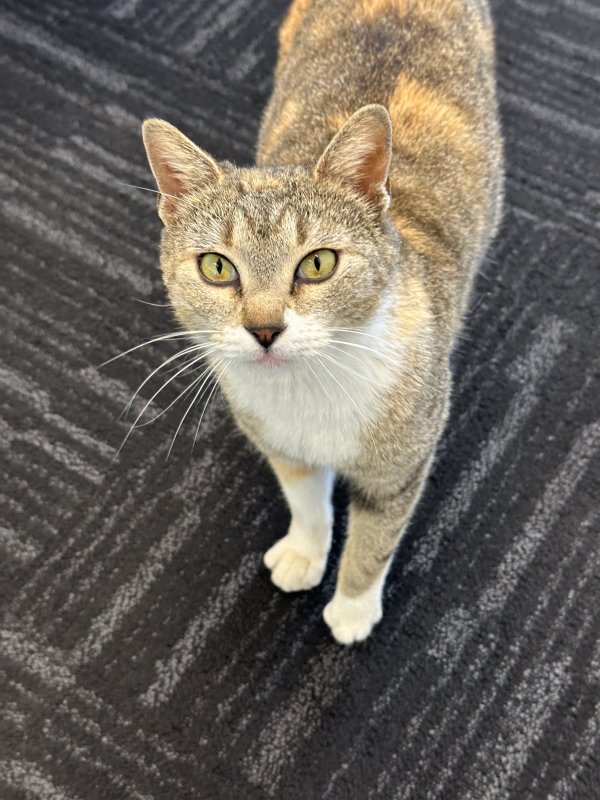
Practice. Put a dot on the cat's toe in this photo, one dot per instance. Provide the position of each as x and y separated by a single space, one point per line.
350 619
291 570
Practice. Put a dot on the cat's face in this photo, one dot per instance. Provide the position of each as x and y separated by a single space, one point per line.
238 248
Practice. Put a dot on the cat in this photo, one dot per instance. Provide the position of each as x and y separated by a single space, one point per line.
328 282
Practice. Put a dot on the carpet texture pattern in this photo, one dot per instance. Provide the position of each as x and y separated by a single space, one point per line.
144 652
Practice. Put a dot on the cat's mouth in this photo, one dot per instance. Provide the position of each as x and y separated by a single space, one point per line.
269 359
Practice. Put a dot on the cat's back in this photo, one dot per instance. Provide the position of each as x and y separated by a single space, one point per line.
337 55
432 64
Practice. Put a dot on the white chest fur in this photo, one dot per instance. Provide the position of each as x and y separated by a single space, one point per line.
316 412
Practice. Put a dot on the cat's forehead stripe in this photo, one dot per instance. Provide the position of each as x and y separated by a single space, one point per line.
227 232
266 221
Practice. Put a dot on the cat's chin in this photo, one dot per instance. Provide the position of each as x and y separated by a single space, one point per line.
271 361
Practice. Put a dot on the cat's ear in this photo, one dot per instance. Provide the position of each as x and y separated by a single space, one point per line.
360 153
177 163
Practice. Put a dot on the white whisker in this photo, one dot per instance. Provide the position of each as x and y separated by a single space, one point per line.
411 375
140 415
378 353
309 365
360 332
146 189
148 303
206 351
189 408
349 355
179 397
212 405
164 337
349 396
403 367
353 372
186 351
212 392
386 343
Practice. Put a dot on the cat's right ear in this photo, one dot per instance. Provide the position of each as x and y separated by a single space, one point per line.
177 163
360 154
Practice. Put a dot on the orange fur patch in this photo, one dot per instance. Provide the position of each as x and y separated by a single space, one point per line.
430 10
288 116
418 239
371 9
257 181
414 312
287 32
290 471
419 111
430 128
338 119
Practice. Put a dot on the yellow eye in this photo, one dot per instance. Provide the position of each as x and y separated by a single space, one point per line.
317 265
217 269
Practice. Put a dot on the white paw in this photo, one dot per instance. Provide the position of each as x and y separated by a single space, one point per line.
293 564
351 619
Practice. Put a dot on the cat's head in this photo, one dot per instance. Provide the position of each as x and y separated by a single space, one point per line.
270 262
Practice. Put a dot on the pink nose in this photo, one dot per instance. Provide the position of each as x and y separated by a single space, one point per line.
265 336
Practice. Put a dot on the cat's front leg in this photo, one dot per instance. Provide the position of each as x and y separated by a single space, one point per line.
298 560
377 521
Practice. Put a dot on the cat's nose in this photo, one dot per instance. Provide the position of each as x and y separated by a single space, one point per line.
265 336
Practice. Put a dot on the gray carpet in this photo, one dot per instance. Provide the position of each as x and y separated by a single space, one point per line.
144 652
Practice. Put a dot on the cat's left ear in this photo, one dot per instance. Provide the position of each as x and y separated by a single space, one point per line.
177 163
360 154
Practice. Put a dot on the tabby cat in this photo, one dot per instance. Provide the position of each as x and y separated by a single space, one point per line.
327 283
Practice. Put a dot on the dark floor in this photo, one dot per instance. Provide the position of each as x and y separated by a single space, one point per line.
145 653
